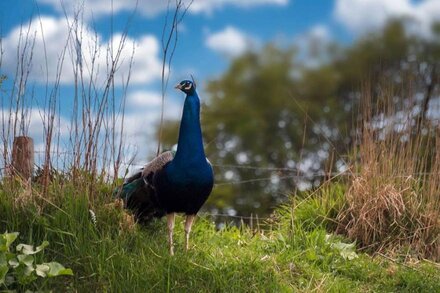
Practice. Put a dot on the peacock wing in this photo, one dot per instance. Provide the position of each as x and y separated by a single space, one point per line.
157 163
138 193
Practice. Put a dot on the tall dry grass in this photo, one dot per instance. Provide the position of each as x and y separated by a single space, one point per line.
92 150
393 201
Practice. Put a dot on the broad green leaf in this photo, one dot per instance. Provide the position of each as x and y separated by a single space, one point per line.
25 248
28 270
42 246
42 270
10 237
350 255
6 240
346 250
24 275
9 255
29 249
13 263
27 260
3 261
343 246
3 271
57 269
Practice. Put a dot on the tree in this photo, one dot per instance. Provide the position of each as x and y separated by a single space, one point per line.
272 111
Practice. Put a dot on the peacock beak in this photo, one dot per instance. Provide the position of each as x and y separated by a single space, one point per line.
178 86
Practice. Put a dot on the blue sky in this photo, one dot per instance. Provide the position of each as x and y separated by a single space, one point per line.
212 33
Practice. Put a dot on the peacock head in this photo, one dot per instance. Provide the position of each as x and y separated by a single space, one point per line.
186 86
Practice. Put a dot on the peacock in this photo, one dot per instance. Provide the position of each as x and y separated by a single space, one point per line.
174 182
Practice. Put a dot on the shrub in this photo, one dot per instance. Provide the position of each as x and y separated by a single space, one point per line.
393 199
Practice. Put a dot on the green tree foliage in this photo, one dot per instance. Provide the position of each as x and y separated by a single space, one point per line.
272 110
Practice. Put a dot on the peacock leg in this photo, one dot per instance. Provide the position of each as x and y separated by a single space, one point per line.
170 222
188 224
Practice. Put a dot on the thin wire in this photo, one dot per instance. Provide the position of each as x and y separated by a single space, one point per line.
273 169
256 180
257 168
322 174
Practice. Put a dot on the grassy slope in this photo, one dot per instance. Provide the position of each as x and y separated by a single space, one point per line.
116 256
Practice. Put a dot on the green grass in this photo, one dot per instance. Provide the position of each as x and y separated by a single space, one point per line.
295 253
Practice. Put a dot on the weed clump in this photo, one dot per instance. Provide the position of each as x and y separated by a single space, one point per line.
392 203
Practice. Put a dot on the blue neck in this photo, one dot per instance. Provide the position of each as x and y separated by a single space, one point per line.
190 144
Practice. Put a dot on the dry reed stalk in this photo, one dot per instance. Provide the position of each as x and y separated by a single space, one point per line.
394 200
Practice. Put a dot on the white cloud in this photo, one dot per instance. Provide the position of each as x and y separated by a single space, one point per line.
312 46
52 39
153 7
320 32
365 15
359 15
149 104
230 42
427 13
140 122
208 6
141 119
147 64
144 99
34 123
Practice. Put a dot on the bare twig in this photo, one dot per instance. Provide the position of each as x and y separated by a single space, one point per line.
169 42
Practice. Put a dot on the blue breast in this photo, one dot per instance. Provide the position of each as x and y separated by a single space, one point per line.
186 182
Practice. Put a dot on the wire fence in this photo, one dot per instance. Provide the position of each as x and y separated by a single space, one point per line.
277 174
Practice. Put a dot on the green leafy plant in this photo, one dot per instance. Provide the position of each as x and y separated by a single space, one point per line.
20 266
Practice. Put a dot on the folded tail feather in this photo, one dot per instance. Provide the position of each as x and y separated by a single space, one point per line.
137 193
140 198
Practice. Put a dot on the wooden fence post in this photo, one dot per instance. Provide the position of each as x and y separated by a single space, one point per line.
23 156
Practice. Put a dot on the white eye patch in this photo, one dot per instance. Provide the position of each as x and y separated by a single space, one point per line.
188 87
